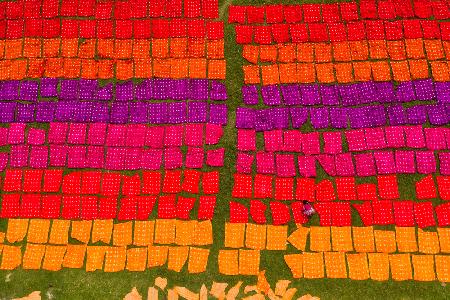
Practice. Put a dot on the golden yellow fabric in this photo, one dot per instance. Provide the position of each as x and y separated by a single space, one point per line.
137 259
143 233
115 258
385 241
358 268
184 232
363 239
295 263
32 257
228 262
234 235
81 230
123 234
95 257
177 258
198 260
101 231
54 256
442 267
59 233
423 266
379 266
11 257
406 239
444 239
157 256
249 262
313 265
428 242
38 231
255 236
74 257
203 234
17 229
319 238
341 238
299 237
400 266
277 237
164 231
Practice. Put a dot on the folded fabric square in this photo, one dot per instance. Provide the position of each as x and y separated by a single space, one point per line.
194 157
246 140
244 162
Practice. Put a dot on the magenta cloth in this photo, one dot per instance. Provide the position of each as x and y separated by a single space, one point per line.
244 162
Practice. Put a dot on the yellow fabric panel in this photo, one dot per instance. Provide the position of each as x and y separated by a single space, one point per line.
81 230
234 235
2 237
184 232
313 265
59 233
444 239
143 233
295 263
11 257
358 268
298 238
400 266
115 258
335 265
442 267
276 237
32 257
101 231
137 259
198 260
249 262
228 262
341 238
38 231
255 236
385 241
406 239
164 231
17 229
74 257
95 258
363 239
423 266
319 238
54 256
157 256
379 266
428 242
123 234
203 233
177 258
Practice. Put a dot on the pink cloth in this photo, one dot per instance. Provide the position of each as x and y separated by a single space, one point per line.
332 142
215 158
136 135
36 136
344 165
265 162
77 157
116 135
246 140
356 140
328 163
95 157
311 143
77 133
173 136
19 156
194 135
365 164
244 162
394 137
385 162
414 136
58 155
405 162
307 166
115 158
435 138
285 165
273 140
375 138
173 158
444 163
133 158
39 157
194 157
152 159
155 137
97 133
426 162
292 141
213 133
16 134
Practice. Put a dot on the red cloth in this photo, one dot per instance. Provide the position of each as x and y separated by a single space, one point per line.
365 213
297 212
238 213
346 188
404 213
382 212
237 14
388 187
242 186
292 13
71 207
111 184
167 207
89 207
424 215
255 14
284 188
258 211
172 182
443 183
280 33
107 208
443 214
145 206
412 29
91 182
191 181
325 191
263 186
325 213
30 206
394 30
206 207
280 213
274 14
318 32
13 180
151 182
263 35
50 206
128 208
184 207
72 184
32 181
356 31
299 33
305 189
341 214
210 182
425 188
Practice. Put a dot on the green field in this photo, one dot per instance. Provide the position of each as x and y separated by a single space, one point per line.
78 284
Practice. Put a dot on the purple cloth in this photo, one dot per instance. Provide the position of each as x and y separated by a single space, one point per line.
405 92
10 90
424 89
250 94
385 91
104 93
125 91
45 111
263 121
280 117
144 90
437 115
69 90
180 89
271 95
197 111
101 114
416 115
158 113
329 95
87 89
25 112
64 112
299 116
49 87
218 91
291 94
245 118
176 112
198 89
29 90
310 94
338 117
376 114
349 94
396 114
319 117
138 112
442 92
119 113
218 114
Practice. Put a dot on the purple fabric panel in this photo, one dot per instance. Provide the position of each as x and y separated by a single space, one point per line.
310 94
319 117
329 95
87 89
271 95
263 121
125 91
250 94
405 92
218 91
245 118
291 94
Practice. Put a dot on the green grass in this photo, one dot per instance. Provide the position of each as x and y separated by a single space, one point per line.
78 284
